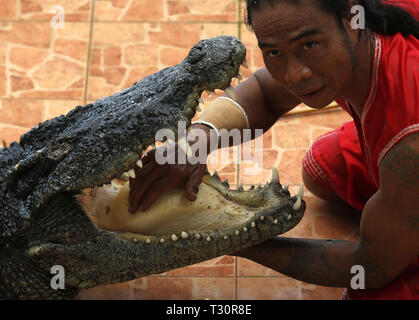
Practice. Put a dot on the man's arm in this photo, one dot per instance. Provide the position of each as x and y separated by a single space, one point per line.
389 238
263 100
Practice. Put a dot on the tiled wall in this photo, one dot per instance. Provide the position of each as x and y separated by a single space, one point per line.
105 46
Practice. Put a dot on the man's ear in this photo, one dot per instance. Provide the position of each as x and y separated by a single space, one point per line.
352 33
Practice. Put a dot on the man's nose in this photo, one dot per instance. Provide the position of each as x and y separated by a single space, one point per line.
296 71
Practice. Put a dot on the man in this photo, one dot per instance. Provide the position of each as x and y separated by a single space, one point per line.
314 55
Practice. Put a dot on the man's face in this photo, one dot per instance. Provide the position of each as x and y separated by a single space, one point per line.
304 50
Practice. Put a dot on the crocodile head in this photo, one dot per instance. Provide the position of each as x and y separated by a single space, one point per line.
60 175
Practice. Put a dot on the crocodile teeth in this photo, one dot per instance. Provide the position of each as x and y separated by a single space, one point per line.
161 240
139 163
174 237
245 64
226 183
236 232
198 108
124 177
131 173
286 188
115 185
200 100
262 218
253 225
300 192
275 175
225 238
208 238
276 221
241 188
239 76
144 153
184 145
216 174
230 91
289 217
245 229
184 235
197 235
153 145
148 241
297 204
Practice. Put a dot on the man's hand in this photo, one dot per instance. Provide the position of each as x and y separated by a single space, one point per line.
153 179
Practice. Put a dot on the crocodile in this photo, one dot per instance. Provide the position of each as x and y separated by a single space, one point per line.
63 196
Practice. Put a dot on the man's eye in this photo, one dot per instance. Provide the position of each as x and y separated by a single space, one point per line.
274 53
310 45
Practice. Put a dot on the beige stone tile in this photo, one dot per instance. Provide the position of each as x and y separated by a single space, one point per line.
184 288
40 62
268 288
254 55
249 268
45 10
334 221
218 267
195 10
312 292
10 133
56 73
290 167
123 10
326 119
124 53
166 10
183 35
119 291
209 30
8 9
292 136
22 113
34 34
19 57
55 108
26 113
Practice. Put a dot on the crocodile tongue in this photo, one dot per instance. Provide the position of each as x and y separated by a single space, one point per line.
217 209
171 213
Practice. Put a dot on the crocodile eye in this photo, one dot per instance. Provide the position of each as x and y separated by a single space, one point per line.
195 56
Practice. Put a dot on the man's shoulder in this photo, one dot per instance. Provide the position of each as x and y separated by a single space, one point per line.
400 166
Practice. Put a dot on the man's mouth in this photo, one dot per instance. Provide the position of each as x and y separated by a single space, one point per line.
312 93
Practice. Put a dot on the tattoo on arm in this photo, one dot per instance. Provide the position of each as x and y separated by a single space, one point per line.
400 170
403 162
313 254
374 273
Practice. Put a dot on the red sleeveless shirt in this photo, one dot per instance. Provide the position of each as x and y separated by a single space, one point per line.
390 113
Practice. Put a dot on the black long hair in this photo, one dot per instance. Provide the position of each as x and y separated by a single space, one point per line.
385 19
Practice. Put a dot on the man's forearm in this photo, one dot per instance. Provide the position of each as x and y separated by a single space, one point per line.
321 262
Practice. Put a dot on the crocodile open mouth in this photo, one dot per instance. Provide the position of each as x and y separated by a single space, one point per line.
218 212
